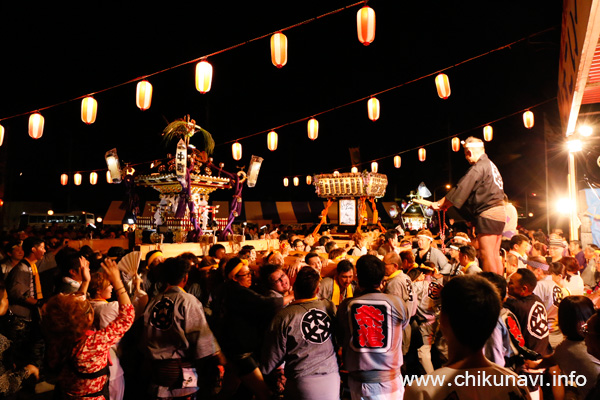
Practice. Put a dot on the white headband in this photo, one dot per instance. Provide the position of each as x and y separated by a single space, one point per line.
461 239
425 237
472 144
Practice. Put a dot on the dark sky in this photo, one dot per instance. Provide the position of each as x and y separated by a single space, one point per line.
52 54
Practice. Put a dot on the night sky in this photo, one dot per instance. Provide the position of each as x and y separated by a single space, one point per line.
52 54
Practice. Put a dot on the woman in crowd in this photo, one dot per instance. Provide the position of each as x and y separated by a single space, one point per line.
573 280
10 379
105 312
79 354
571 354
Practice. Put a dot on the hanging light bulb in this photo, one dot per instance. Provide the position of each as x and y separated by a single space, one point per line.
488 133
143 95
204 73
36 125
336 173
308 179
296 181
1 135
272 140
64 179
313 129
373 109
354 170
286 182
443 86
236 151
108 177
89 107
374 167
365 25
279 49
93 178
455 144
397 161
528 119
77 179
422 154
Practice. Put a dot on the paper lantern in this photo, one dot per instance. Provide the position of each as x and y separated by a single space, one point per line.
336 173
373 109
236 151
279 49
143 95
108 177
365 25
64 179
1 135
397 161
422 154
36 125
296 181
528 119
77 179
89 107
443 86
93 178
354 170
374 167
272 140
488 133
308 179
455 144
286 182
313 129
204 73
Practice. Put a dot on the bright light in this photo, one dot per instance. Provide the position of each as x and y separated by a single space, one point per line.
564 206
448 186
586 130
50 212
530 214
99 219
574 145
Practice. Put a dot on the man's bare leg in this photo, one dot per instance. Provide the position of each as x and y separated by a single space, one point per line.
489 248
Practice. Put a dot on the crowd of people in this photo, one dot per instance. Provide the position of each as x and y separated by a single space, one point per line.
315 318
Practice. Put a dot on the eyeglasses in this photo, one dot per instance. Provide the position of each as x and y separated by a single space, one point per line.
584 329
242 275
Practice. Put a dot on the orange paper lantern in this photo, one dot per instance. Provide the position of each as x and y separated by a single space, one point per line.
272 140
528 120
36 125
313 129
279 49
354 170
443 86
1 135
455 144
64 179
397 161
374 167
422 154
77 179
365 25
373 109
488 133
204 73
296 181
236 151
108 177
93 178
89 107
143 95
308 179
286 182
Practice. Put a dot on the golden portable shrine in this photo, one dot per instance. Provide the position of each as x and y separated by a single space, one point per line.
362 186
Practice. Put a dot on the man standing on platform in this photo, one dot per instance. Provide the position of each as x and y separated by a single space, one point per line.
481 192
371 331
